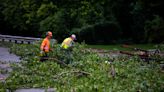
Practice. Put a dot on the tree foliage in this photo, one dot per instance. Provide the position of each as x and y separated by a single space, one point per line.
34 18
87 72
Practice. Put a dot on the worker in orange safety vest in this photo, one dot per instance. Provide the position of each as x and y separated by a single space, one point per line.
45 46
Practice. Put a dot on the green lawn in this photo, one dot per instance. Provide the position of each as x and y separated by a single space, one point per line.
119 46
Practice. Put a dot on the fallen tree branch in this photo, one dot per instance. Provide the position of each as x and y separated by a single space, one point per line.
58 61
74 71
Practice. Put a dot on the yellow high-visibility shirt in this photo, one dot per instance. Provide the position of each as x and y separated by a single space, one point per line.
66 43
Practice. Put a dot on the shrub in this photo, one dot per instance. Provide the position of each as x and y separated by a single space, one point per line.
100 33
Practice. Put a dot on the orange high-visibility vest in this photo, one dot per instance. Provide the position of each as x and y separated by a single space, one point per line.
45 46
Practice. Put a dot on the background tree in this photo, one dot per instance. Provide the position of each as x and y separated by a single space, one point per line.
94 21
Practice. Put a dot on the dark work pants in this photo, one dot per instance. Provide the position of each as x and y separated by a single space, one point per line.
67 57
44 57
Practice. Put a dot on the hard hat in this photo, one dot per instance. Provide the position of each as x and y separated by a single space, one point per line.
49 33
73 36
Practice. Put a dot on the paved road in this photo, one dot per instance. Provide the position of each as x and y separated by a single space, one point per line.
5 56
5 59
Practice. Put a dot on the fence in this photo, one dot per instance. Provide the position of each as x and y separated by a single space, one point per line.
18 39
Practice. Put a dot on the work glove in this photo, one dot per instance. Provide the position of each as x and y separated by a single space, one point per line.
41 53
51 50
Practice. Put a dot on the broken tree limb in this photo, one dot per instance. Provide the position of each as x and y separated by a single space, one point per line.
112 71
74 71
132 54
142 56
131 47
58 61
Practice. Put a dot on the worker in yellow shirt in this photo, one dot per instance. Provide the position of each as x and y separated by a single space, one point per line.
45 46
68 42
67 45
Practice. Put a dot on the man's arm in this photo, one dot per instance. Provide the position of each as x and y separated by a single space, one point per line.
42 45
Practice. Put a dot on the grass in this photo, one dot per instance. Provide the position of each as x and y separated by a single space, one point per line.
119 46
